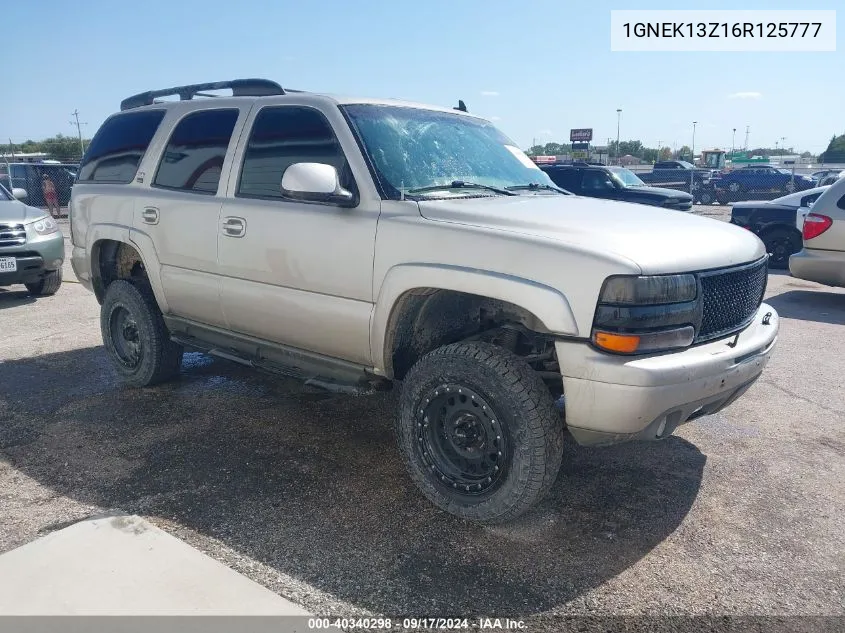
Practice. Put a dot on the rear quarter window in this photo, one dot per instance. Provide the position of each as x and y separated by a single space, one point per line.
118 147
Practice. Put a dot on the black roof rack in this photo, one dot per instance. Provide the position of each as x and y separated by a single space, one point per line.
461 106
239 87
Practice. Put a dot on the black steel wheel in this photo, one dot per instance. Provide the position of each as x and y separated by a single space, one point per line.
126 341
460 440
135 336
780 244
478 432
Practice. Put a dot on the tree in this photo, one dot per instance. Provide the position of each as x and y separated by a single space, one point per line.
666 153
59 147
685 153
835 152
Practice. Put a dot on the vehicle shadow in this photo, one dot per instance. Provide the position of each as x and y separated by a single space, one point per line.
810 305
14 298
311 485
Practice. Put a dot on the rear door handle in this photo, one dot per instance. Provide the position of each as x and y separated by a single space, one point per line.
233 227
150 215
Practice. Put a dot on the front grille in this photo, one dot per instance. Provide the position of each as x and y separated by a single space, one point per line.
730 298
12 234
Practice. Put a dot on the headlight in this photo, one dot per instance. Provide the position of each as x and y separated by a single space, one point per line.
646 314
649 290
45 226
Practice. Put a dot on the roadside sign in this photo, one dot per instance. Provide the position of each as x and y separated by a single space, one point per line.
580 146
580 154
544 159
581 134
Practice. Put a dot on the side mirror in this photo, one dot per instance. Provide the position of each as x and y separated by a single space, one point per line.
20 194
315 182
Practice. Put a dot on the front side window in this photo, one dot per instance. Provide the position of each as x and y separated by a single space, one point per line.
193 158
282 136
414 148
118 147
595 180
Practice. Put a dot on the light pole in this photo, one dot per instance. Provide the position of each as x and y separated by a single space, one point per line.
692 149
618 121
657 158
782 146
733 145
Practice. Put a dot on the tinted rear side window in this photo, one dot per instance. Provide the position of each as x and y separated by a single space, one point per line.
193 158
565 178
119 146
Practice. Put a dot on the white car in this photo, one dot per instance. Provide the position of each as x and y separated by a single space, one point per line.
823 257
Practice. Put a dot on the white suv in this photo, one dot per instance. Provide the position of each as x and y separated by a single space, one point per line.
360 242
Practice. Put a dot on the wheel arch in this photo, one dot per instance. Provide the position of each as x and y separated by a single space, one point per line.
117 256
422 306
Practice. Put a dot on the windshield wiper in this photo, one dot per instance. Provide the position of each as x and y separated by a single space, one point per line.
460 184
535 186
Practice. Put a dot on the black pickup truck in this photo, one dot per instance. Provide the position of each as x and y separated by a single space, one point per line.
682 176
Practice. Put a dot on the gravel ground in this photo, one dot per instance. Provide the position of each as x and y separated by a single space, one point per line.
740 513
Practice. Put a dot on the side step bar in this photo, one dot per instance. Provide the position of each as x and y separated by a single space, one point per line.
337 379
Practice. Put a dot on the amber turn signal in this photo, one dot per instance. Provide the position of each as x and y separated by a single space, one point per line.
620 343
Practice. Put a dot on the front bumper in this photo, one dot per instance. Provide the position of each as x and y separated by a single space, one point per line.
824 267
35 259
611 399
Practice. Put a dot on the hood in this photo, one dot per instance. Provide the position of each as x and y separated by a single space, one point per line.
17 211
657 240
659 191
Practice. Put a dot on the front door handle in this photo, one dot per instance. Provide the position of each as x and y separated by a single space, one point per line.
233 227
150 215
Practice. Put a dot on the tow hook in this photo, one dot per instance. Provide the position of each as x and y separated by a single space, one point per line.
767 318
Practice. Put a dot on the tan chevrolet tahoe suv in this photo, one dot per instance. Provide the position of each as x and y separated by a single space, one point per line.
357 243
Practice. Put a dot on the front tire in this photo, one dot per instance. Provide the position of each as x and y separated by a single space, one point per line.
478 432
49 285
135 336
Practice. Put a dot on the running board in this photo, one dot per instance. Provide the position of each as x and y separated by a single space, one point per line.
325 373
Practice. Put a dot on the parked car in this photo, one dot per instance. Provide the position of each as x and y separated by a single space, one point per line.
357 242
819 176
614 183
823 257
682 176
32 248
777 222
758 182
831 177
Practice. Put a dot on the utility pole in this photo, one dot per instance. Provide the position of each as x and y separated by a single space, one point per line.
75 115
747 128
782 146
733 145
692 149
618 120
659 149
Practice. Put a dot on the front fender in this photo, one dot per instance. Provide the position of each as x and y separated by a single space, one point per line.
549 305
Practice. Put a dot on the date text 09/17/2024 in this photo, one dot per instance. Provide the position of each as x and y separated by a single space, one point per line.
416 624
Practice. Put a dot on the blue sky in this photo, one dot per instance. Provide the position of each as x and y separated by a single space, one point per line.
537 67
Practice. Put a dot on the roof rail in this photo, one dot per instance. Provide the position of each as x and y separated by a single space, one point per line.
239 87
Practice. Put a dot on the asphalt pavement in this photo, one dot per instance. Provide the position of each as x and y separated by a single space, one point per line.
302 491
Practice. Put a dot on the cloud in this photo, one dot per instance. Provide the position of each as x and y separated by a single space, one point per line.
489 93
745 95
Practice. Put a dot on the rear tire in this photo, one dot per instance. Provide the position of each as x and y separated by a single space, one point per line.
478 432
49 285
135 336
780 244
